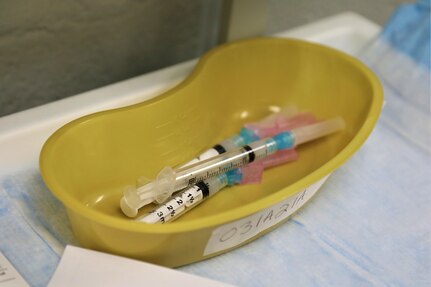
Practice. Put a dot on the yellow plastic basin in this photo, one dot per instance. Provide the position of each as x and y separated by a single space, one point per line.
87 163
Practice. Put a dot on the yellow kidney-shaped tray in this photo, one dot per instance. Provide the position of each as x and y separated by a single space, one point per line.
88 162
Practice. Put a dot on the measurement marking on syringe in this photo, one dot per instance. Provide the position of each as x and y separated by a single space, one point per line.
251 155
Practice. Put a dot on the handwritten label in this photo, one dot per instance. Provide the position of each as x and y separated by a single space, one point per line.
9 277
235 233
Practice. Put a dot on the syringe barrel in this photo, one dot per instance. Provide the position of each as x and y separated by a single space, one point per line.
226 145
169 181
254 151
185 201
223 163
229 144
246 136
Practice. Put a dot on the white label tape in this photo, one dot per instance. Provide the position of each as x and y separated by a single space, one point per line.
9 277
237 232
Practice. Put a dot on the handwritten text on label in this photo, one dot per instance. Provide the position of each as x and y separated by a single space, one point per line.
235 233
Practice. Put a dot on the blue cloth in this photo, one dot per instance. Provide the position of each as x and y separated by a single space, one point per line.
34 228
368 226
409 31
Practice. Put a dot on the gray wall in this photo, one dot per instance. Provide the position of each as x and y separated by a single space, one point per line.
53 49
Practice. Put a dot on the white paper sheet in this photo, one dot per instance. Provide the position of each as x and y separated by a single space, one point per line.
83 267
9 277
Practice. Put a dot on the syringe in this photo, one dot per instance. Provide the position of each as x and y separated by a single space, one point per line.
186 200
287 116
191 197
169 180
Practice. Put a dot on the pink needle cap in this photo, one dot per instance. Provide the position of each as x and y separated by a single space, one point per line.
281 123
252 173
